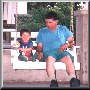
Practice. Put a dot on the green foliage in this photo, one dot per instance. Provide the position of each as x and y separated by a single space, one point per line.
23 21
37 18
37 11
62 9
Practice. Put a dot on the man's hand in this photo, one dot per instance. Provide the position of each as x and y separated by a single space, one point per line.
39 50
40 56
63 47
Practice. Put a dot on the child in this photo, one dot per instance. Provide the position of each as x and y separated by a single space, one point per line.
26 46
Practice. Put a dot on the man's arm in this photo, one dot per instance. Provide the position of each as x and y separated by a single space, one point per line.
69 44
39 50
39 47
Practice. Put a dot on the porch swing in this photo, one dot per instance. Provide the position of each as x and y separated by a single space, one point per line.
17 64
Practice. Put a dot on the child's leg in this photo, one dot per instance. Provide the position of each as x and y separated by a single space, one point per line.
35 56
22 58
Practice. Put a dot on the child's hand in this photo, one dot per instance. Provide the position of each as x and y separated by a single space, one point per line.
27 54
21 49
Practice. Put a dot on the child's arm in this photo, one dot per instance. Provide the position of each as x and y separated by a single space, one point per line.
26 49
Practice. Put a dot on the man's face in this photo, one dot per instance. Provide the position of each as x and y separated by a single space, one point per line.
51 24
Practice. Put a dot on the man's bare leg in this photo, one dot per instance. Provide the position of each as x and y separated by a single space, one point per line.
51 71
69 66
50 67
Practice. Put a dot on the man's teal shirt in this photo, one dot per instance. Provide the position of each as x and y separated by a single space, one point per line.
53 39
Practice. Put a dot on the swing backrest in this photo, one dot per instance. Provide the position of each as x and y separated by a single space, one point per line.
15 38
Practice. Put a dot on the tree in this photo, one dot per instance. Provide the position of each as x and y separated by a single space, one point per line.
38 10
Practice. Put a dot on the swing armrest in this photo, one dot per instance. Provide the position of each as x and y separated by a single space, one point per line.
73 52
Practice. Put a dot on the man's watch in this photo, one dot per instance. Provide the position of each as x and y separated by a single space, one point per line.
67 43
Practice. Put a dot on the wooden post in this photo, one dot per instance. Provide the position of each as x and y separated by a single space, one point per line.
71 21
82 41
9 19
5 11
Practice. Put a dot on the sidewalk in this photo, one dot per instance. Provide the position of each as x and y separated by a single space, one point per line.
39 85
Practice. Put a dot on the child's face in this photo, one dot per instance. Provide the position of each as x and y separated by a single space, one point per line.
25 37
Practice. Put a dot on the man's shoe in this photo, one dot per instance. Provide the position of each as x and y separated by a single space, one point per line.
54 83
74 82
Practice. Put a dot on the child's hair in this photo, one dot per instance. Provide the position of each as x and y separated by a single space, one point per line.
24 30
51 15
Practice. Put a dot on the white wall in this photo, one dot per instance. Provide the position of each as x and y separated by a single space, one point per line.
10 10
22 7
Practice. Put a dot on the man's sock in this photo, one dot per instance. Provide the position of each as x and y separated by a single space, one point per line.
72 76
52 77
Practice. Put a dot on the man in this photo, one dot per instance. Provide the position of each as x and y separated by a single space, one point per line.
52 42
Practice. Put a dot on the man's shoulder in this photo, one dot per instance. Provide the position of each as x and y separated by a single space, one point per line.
43 29
62 26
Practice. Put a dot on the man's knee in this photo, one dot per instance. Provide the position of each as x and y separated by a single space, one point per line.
66 60
50 59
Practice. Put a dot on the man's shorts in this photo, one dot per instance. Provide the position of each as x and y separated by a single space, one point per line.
57 54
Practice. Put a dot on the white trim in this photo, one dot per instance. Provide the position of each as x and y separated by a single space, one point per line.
40 65
9 30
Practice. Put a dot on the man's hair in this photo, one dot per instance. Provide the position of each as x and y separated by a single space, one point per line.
51 15
24 30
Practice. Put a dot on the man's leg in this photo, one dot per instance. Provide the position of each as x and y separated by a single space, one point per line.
71 71
51 71
69 65
50 67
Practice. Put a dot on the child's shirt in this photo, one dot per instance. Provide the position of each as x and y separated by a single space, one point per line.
27 45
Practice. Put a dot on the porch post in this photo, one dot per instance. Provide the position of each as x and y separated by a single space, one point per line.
82 41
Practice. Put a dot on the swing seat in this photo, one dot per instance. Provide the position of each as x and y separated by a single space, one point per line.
17 64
